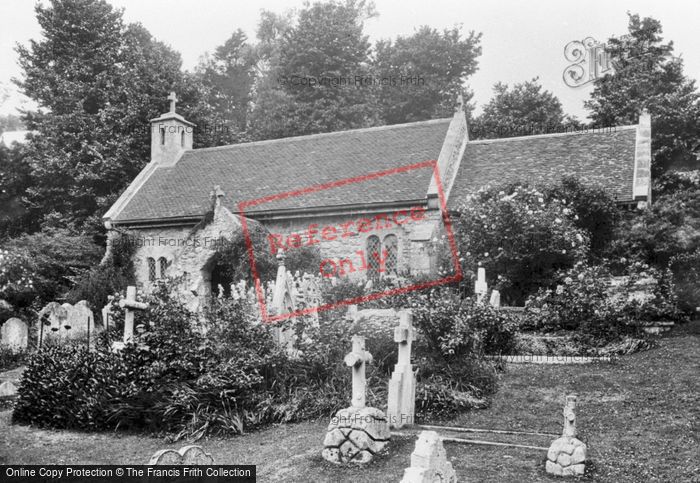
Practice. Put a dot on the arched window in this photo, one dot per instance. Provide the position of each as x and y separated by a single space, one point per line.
374 246
182 138
162 135
151 269
162 265
391 253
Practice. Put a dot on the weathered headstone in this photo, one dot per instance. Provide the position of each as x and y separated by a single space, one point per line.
51 319
187 455
14 334
356 433
8 389
567 455
480 286
495 300
429 462
402 386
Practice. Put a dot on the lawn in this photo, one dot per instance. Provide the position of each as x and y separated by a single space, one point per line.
640 418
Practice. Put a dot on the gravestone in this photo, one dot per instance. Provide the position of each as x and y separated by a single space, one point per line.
567 455
14 334
357 433
480 286
8 389
51 319
429 462
402 386
187 455
495 300
62 322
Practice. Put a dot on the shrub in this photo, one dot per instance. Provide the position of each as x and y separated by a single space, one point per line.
10 359
593 210
111 276
37 268
520 237
686 274
582 301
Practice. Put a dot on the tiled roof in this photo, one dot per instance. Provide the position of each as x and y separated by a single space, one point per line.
254 170
604 159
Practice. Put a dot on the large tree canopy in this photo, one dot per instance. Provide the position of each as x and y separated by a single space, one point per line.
443 60
521 110
648 76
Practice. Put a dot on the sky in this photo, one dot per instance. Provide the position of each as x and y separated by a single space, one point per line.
521 40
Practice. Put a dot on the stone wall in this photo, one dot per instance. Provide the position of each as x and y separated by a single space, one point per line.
188 251
413 254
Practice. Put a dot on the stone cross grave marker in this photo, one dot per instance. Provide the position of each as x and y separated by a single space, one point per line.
480 286
357 360
570 417
129 304
567 455
14 334
402 386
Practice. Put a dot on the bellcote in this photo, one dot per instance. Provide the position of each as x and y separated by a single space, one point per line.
171 135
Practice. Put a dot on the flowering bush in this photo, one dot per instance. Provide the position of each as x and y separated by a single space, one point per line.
584 302
520 236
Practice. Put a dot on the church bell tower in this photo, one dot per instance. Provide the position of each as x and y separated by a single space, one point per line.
171 135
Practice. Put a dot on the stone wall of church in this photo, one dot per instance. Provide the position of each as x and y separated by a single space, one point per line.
412 236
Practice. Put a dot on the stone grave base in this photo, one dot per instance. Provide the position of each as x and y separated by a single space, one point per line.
355 435
566 457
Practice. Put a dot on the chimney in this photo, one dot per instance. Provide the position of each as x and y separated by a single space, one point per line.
171 135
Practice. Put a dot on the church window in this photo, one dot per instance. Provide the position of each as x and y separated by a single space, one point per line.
162 135
182 138
391 253
374 246
162 265
151 269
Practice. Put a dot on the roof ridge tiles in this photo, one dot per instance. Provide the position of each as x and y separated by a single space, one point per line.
323 134
599 130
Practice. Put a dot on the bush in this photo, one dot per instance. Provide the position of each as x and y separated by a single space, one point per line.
181 379
686 276
36 269
520 237
582 302
111 276
11 359
594 211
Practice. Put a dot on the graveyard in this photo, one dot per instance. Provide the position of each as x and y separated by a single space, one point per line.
622 414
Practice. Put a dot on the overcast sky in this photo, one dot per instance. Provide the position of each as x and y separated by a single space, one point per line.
521 40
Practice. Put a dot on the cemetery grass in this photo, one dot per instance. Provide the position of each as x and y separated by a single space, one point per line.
640 418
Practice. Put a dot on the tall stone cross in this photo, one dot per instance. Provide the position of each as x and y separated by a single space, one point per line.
357 360
130 305
570 417
173 99
402 386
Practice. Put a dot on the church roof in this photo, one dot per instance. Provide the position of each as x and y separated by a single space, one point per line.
603 158
253 170
611 158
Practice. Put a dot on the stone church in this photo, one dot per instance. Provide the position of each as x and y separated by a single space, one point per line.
374 191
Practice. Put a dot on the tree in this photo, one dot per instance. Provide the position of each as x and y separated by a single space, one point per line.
229 75
522 110
97 82
648 76
15 178
435 66
326 43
